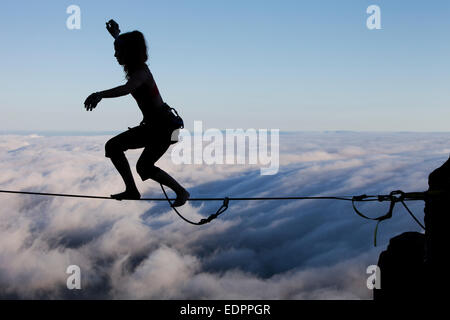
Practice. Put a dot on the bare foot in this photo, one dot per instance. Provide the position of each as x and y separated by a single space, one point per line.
127 195
181 199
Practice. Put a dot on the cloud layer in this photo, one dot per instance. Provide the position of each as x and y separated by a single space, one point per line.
256 250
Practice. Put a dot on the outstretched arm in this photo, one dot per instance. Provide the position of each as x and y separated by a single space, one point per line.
134 82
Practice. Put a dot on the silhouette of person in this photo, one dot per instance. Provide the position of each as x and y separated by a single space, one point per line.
153 133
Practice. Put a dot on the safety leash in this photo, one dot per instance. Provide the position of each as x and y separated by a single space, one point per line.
219 211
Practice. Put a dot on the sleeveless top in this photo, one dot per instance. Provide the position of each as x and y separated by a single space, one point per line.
149 100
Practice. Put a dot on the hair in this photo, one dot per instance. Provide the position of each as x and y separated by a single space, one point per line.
133 51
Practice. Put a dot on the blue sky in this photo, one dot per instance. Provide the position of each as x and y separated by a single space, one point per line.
292 65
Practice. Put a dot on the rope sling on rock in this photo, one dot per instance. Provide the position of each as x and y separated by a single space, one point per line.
394 197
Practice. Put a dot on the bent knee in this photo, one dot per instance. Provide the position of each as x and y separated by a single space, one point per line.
146 171
112 148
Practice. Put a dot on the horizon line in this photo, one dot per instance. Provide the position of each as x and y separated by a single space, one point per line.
113 132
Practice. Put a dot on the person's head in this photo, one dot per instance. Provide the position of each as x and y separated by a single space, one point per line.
131 51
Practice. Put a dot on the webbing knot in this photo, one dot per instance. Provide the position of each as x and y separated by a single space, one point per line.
394 196
359 198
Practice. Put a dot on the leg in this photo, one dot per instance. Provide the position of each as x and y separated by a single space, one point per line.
164 178
114 149
147 170
131 191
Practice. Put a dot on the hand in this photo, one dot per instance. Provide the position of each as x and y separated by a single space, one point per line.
91 102
113 28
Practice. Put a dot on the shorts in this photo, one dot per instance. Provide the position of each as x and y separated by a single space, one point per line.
154 139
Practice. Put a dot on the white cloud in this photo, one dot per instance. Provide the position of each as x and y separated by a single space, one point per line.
256 250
